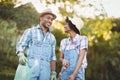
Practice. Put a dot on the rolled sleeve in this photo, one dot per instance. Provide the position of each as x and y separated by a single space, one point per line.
62 45
53 56
84 42
84 45
23 43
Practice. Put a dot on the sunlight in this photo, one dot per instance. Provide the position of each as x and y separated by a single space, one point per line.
36 3
111 7
38 6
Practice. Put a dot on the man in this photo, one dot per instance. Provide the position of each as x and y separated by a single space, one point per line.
40 44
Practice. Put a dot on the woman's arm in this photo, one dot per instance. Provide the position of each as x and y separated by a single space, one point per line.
80 60
79 63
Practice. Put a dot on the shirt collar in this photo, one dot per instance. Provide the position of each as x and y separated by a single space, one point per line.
38 27
75 39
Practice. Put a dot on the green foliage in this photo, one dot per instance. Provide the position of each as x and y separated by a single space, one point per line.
103 59
24 16
7 48
103 52
97 28
59 35
6 11
116 25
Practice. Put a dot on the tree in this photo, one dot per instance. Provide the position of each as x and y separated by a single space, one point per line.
25 16
116 25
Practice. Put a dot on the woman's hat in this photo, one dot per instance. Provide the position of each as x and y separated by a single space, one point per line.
77 22
47 11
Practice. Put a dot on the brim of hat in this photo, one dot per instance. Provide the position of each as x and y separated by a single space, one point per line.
41 14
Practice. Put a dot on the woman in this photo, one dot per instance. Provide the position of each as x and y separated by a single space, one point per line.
73 51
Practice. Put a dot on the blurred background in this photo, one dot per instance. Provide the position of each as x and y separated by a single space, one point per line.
101 26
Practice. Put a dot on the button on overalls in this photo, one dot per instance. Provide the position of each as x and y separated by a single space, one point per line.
39 55
72 57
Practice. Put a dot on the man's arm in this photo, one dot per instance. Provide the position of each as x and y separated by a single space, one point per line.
53 56
23 43
53 65
53 61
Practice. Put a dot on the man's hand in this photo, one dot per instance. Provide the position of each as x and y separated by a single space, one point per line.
53 75
22 58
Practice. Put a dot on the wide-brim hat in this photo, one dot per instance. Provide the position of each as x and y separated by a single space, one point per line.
47 11
78 22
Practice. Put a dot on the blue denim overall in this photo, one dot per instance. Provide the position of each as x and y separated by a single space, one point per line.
39 55
72 57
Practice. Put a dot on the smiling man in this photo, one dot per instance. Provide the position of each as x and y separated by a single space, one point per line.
39 44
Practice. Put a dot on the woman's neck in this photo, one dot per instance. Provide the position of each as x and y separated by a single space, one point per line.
72 35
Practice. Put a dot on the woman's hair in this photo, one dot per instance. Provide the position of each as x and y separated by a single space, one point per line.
72 26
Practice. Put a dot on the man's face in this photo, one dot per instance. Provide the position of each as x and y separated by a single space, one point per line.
46 20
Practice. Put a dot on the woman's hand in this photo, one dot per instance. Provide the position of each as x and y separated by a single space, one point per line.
71 77
65 64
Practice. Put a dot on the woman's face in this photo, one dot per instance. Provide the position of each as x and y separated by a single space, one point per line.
67 28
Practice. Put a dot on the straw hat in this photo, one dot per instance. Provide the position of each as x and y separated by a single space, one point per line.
47 11
77 22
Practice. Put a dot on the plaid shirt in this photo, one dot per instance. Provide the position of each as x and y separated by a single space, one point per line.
35 33
79 43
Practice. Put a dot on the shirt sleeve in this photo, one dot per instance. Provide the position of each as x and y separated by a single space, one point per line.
62 45
53 56
84 42
24 41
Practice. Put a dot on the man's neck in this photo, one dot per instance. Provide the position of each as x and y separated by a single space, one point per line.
45 29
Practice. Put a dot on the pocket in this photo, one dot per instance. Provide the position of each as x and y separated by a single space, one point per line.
37 43
46 50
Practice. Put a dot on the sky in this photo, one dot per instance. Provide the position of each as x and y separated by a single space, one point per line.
112 7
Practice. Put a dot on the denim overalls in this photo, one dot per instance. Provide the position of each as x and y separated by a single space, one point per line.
39 55
72 57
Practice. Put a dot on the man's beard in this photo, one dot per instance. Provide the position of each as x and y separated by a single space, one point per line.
46 25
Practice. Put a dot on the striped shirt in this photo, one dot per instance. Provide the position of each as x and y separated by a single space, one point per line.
35 33
79 43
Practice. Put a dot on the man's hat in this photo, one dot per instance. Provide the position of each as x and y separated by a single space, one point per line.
47 11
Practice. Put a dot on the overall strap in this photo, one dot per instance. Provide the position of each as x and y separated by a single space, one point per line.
49 37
